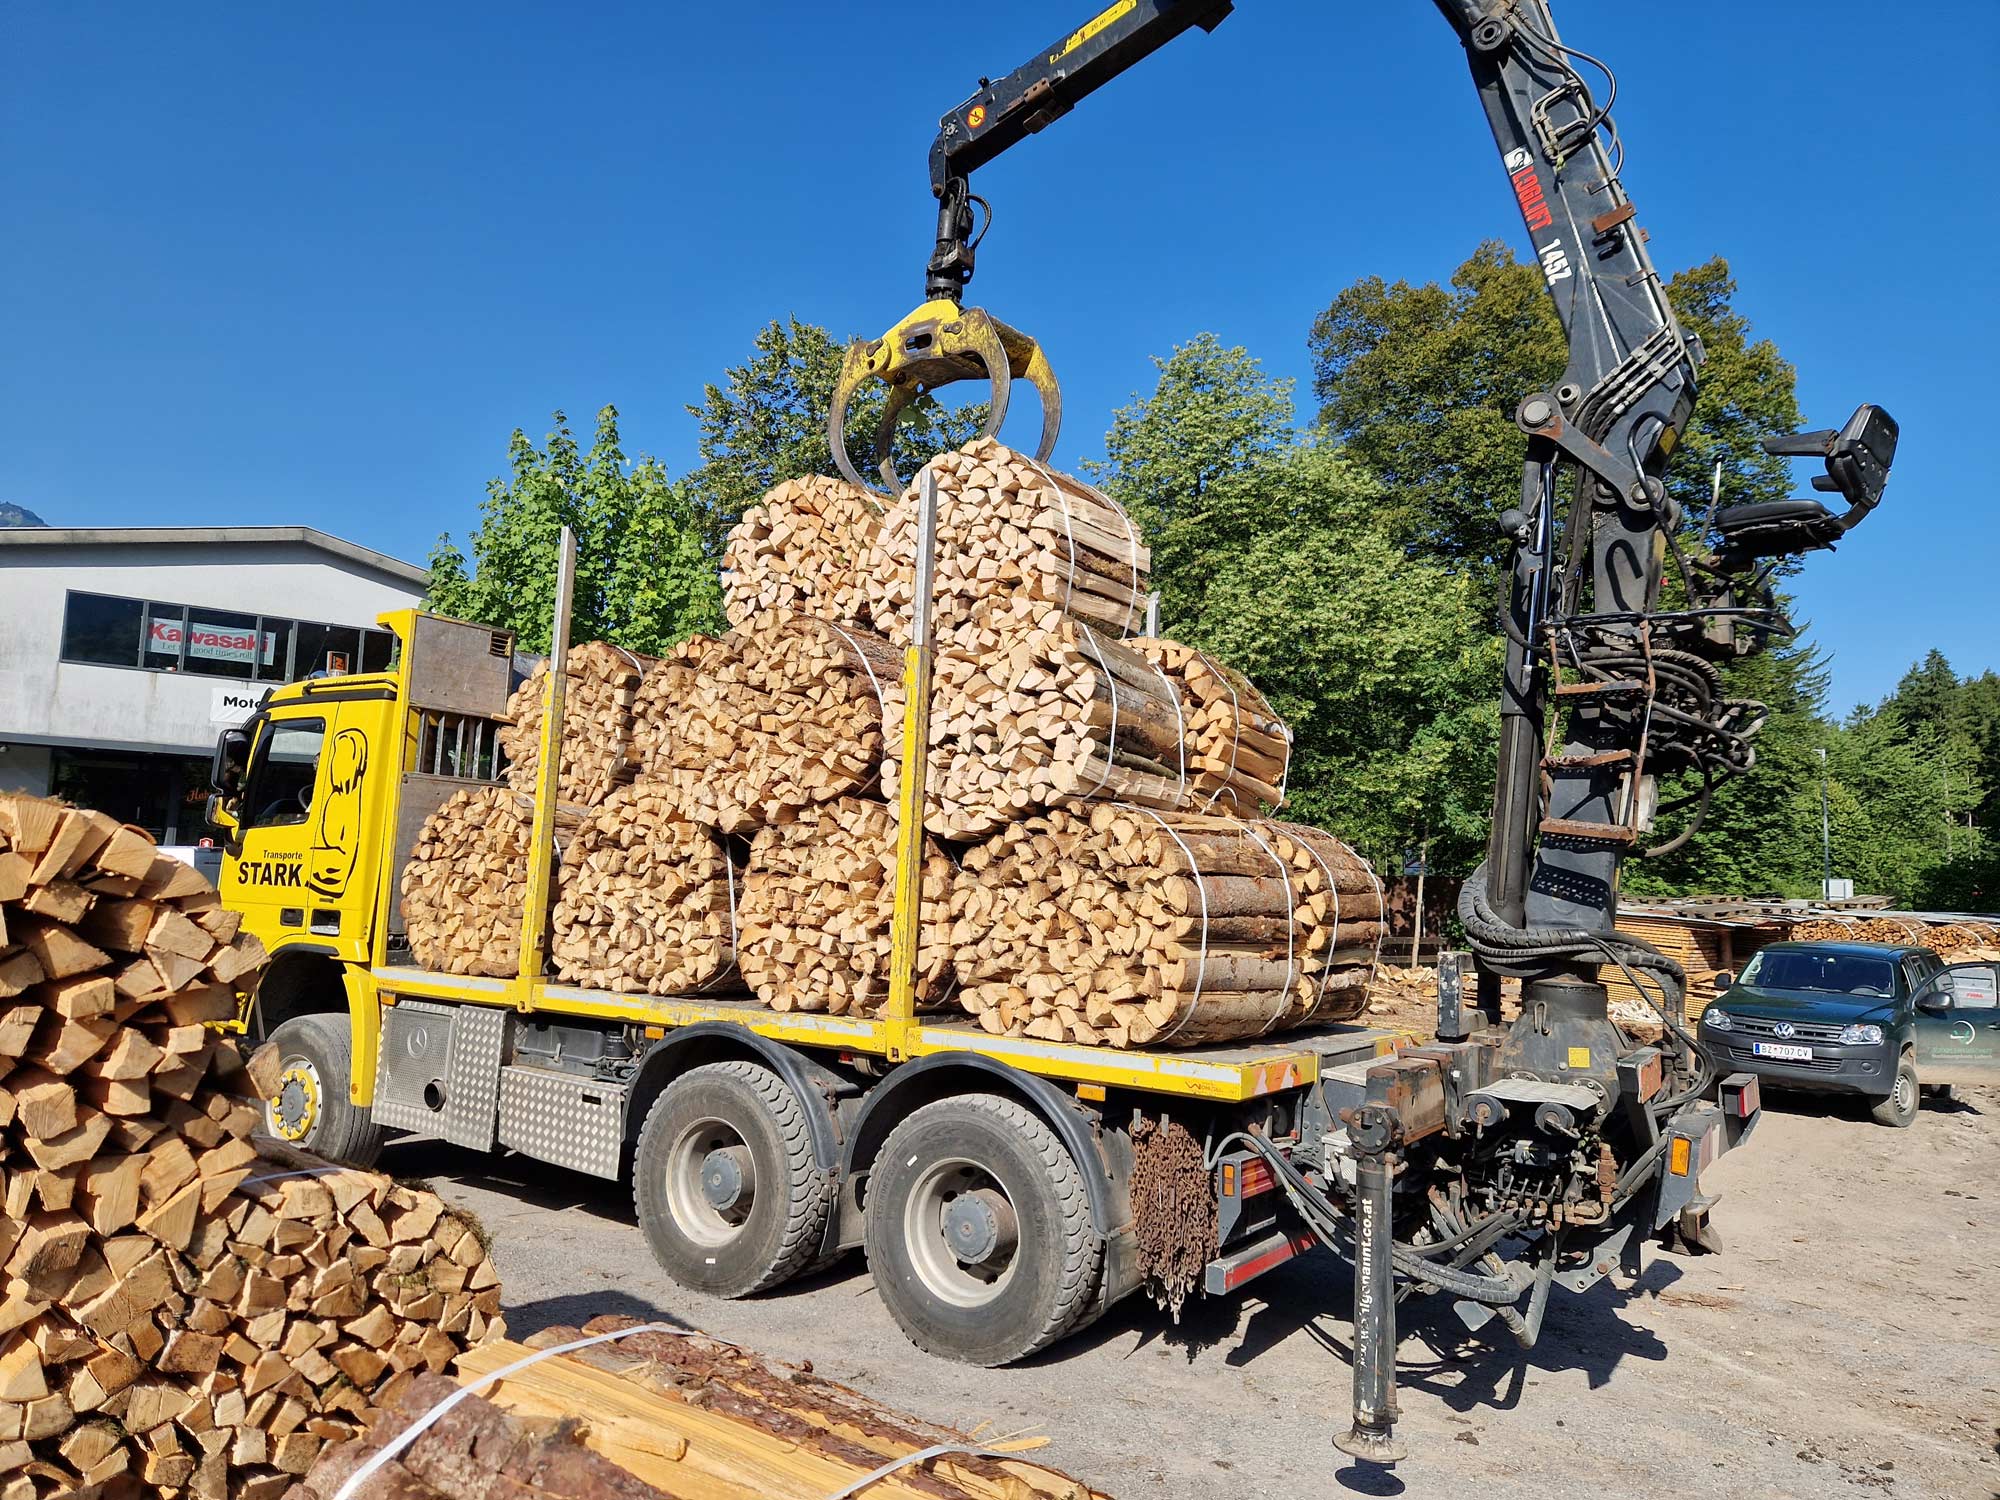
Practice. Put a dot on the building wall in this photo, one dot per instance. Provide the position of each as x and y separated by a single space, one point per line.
47 699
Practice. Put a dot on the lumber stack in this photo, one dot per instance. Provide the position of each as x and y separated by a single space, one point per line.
645 899
1236 750
1125 927
801 551
465 886
1009 527
818 901
1032 708
185 1311
777 717
603 683
702 1420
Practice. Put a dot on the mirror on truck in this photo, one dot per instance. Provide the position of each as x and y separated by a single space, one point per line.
232 754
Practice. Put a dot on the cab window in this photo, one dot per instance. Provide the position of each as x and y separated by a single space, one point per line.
282 775
1973 989
1915 972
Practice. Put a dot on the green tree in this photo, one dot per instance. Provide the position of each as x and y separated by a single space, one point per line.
644 576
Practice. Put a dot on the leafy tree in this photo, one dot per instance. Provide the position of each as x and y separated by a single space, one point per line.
644 578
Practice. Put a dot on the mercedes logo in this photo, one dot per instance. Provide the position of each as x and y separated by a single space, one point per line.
1785 1028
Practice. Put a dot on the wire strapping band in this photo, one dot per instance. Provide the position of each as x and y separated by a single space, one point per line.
922 1455
1201 891
881 703
1284 875
390 1451
1111 682
1333 936
1069 531
326 1171
1180 724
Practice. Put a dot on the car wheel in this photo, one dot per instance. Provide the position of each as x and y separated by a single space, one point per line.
730 1197
311 1108
979 1232
1899 1106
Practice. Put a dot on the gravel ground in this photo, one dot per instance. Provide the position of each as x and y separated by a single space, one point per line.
1845 1343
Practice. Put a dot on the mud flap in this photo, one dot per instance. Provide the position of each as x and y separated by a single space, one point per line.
1691 1232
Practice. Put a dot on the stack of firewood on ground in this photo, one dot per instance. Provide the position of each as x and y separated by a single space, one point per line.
1954 942
186 1311
1102 865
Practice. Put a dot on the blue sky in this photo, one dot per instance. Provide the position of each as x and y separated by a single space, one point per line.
313 262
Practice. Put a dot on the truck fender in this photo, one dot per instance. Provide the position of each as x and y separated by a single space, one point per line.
721 1041
943 1074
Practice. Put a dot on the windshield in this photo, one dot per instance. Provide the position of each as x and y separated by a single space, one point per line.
1831 973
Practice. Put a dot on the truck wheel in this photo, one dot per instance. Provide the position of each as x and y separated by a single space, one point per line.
730 1198
979 1234
1899 1106
311 1108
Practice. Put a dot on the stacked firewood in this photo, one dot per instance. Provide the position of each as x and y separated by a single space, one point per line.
645 899
801 551
1237 751
466 882
818 900
186 1311
1127 927
1009 527
662 736
782 714
602 685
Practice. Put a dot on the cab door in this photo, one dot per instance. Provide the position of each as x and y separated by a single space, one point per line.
1958 1025
265 874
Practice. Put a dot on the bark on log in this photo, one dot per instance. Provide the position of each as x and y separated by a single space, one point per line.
1237 751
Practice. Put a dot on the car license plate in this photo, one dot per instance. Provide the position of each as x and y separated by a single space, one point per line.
1782 1051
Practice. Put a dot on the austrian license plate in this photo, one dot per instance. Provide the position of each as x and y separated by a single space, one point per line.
1782 1051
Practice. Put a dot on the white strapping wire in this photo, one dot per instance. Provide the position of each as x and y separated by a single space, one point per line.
1111 682
922 1455
881 702
1201 892
1180 726
1333 934
1069 532
1285 875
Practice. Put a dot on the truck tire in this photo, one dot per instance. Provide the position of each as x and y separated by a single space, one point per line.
730 1197
1898 1107
979 1232
312 1108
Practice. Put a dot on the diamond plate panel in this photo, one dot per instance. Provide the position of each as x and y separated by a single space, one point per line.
415 1053
563 1119
472 1089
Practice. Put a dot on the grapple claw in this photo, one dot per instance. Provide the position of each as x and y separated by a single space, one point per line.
934 346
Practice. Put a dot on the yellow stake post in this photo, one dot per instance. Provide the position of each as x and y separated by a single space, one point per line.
903 950
535 913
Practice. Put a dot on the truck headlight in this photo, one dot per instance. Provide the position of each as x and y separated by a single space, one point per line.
1718 1020
1858 1035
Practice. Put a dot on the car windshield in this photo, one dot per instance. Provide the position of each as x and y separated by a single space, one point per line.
1831 973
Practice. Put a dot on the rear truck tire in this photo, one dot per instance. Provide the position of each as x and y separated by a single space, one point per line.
1898 1107
312 1108
730 1197
979 1233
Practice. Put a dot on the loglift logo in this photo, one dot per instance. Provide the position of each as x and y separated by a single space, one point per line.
1528 189
337 840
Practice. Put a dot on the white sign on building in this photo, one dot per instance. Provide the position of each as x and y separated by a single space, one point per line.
229 706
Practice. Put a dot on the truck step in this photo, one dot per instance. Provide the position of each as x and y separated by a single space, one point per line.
1594 833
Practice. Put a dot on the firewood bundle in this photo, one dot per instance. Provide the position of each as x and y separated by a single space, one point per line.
779 716
603 683
1955 940
1128 927
466 883
1032 708
1237 750
818 899
1338 916
645 899
801 551
662 736
182 1313
1007 526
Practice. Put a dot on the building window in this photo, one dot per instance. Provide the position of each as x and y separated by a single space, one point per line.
281 780
103 630
98 628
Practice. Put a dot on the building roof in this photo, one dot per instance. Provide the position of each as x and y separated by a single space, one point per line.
209 536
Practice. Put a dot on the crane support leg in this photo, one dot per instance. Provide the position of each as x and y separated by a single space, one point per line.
1373 1438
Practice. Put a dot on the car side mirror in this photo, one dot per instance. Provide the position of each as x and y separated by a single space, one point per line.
1725 980
1936 996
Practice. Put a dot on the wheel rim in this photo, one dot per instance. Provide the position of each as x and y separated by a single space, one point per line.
1905 1094
962 1233
294 1110
711 1182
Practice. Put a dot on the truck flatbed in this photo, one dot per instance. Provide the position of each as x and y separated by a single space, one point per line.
1234 1071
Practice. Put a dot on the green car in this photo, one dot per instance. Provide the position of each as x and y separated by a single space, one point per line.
1858 1018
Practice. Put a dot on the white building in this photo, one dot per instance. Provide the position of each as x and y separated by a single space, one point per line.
124 651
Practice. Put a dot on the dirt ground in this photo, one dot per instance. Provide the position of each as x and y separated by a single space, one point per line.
1844 1344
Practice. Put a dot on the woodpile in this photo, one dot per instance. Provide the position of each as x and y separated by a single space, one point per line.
1236 750
466 883
1956 942
818 899
702 1420
801 551
773 719
1008 527
1947 940
185 1311
645 899
1032 709
603 684
1125 927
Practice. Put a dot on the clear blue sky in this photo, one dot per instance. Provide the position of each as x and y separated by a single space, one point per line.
313 262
